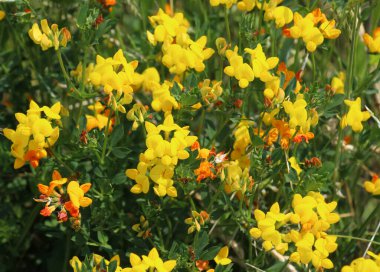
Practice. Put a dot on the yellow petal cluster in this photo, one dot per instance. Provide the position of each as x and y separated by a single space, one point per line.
157 163
313 29
211 90
245 73
180 52
76 264
222 257
117 77
142 228
33 134
305 226
337 83
364 264
152 262
373 186
228 3
298 114
354 116
373 42
49 36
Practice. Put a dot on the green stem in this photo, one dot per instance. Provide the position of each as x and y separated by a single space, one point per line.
26 228
314 66
227 25
338 153
65 74
356 238
352 52
106 138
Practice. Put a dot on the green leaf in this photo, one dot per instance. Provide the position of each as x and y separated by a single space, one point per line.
189 100
102 238
117 134
291 86
82 15
173 250
210 253
120 152
112 266
200 242
119 178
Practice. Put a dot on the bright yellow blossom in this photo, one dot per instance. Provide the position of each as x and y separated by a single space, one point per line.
373 186
49 37
354 116
33 134
337 83
222 256
373 42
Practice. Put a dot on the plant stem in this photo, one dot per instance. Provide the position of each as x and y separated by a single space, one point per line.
65 74
356 238
227 25
352 52
338 153
106 133
372 238
314 66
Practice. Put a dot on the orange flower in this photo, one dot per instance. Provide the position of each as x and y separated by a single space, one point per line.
34 156
202 265
204 171
195 146
303 137
47 210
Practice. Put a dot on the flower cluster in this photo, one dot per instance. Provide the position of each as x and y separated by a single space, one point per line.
373 42
161 157
354 116
245 73
180 52
116 74
100 117
33 134
373 186
363 264
313 29
96 264
65 200
312 217
221 259
196 221
142 228
152 262
49 37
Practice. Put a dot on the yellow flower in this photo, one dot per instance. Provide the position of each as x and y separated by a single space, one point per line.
77 192
337 83
328 30
222 256
373 42
238 69
281 15
97 259
33 134
160 157
373 186
228 3
151 78
294 165
363 264
304 28
49 37
2 15
355 116
261 64
153 260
